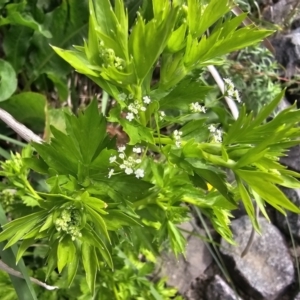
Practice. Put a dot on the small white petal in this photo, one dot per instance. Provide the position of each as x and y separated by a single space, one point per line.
121 149
122 155
139 173
128 171
112 159
138 161
137 150
130 116
212 128
147 99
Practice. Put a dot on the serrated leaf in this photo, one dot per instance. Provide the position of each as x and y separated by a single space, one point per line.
267 190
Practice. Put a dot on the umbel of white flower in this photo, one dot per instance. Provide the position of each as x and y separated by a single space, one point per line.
177 136
217 133
135 107
127 163
197 108
231 90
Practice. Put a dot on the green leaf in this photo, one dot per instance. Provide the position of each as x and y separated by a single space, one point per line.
8 80
98 222
77 60
200 18
23 288
186 92
68 25
248 204
15 45
28 108
16 16
23 247
90 264
261 184
152 36
176 238
72 268
65 252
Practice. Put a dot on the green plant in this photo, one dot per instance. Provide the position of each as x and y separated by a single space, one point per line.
102 199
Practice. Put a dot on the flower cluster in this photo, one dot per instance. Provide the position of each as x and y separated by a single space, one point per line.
197 108
69 222
231 90
135 107
110 59
161 115
129 164
217 133
177 136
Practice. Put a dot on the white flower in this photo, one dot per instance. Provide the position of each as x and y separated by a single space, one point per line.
128 171
229 83
137 150
178 144
110 173
236 95
162 115
121 149
138 161
177 134
122 155
122 96
112 159
122 166
143 108
139 173
130 96
196 107
147 99
218 136
130 116
212 128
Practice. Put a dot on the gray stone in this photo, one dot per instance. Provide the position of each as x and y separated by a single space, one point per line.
291 218
182 271
267 269
292 159
218 289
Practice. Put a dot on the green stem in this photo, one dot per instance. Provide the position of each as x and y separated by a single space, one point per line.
144 202
31 189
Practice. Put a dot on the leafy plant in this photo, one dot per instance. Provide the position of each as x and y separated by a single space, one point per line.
103 200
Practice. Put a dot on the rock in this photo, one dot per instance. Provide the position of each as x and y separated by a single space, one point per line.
279 11
297 297
292 159
267 269
181 272
219 289
292 218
